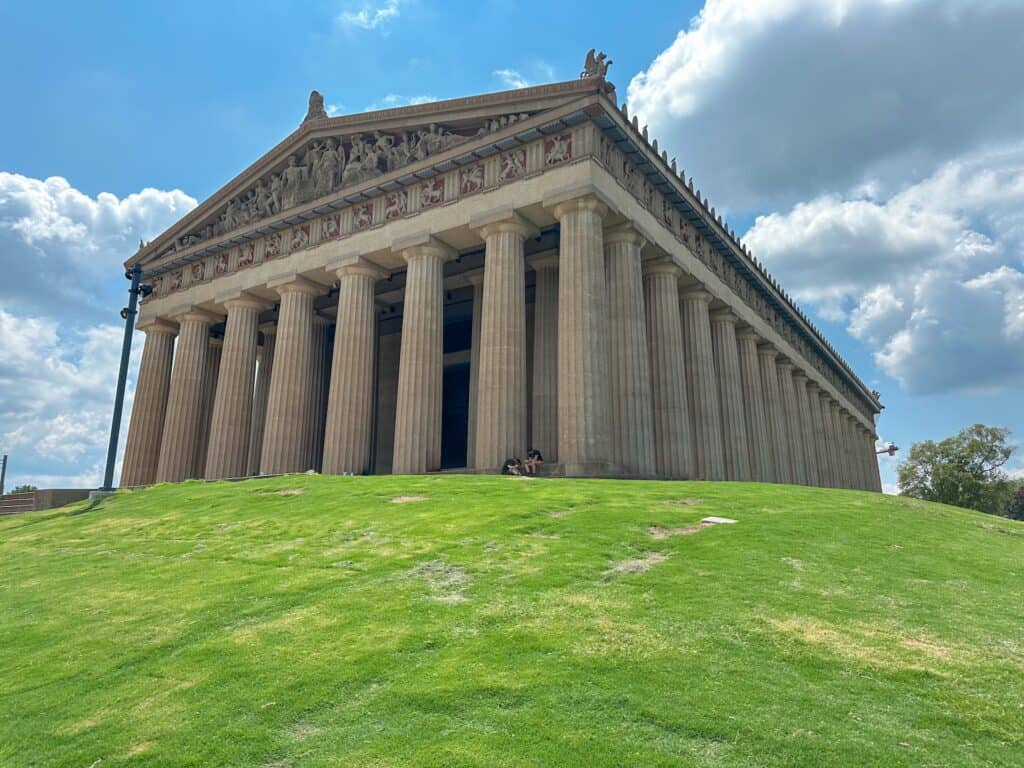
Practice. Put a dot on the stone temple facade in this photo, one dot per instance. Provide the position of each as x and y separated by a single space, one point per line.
443 286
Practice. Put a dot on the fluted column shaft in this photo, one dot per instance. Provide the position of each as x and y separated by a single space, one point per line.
632 428
476 279
501 383
774 415
184 398
794 430
319 381
211 375
758 433
814 398
830 454
420 368
702 385
673 451
149 406
286 434
584 413
544 430
348 433
735 441
838 446
261 394
808 440
231 425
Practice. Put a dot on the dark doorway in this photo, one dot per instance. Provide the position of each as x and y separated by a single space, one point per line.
454 415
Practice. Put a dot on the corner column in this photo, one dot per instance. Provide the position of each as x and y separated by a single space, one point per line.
421 363
632 428
758 434
584 418
735 441
228 452
501 383
184 398
265 356
286 434
142 451
673 450
348 432
774 416
544 429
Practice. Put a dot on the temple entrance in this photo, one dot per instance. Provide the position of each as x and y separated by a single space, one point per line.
454 415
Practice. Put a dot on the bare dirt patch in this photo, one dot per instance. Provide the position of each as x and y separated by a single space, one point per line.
681 502
638 564
559 512
446 581
657 532
407 499
283 492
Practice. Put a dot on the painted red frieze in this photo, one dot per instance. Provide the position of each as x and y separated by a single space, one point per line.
558 149
513 165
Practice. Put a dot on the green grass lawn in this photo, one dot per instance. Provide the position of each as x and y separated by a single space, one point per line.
487 621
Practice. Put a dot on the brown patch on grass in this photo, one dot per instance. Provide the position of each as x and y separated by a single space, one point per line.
559 512
283 492
138 749
638 564
689 502
797 564
407 499
303 731
446 581
657 532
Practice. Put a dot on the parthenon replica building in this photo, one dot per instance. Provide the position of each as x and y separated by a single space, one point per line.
443 286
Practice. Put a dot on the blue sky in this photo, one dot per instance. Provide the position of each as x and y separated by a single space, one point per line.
871 150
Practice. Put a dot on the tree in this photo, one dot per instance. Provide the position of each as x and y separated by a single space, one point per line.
1015 504
964 470
24 489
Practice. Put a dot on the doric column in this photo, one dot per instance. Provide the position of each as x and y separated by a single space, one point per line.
701 382
814 400
838 446
774 416
228 452
808 440
319 382
286 434
476 279
545 355
142 451
673 445
584 402
830 454
348 434
632 430
861 446
420 368
501 383
184 398
794 430
758 434
265 356
875 473
211 373
735 441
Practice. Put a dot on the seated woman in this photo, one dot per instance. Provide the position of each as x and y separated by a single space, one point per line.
512 467
533 461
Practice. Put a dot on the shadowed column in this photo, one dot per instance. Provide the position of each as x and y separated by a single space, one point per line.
673 451
875 474
545 355
420 368
184 398
584 401
735 441
347 436
814 399
838 447
794 430
228 453
774 418
808 451
476 279
142 451
211 374
632 429
831 453
265 355
286 434
501 382
701 385
758 434
319 382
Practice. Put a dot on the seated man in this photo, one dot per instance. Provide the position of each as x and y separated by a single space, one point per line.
533 461
512 467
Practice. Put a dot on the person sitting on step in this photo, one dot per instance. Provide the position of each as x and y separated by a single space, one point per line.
533 461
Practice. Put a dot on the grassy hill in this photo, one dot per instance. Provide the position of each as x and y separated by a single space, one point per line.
448 621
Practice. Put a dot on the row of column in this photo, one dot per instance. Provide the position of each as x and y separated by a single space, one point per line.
633 373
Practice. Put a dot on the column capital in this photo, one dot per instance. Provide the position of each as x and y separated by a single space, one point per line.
696 294
786 364
476 277
192 314
243 299
357 266
663 266
158 325
767 350
747 333
295 283
625 233
500 220
585 198
267 329
799 376
543 260
423 244
724 316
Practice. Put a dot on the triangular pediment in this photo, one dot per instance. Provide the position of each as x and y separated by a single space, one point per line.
326 157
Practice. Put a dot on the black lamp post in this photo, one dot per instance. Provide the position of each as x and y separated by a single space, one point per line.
128 313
